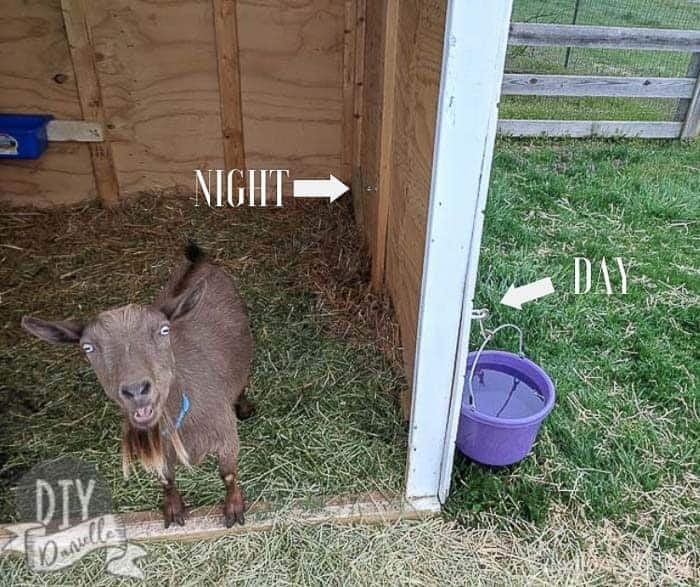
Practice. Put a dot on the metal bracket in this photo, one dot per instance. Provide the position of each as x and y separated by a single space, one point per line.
81 131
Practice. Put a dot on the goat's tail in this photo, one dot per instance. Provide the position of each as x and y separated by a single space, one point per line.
194 253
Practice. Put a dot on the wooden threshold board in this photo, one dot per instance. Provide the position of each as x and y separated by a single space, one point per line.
207 522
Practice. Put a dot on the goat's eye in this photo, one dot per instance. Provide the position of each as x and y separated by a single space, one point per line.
164 330
88 348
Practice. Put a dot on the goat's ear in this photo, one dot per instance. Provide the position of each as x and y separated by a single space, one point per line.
185 302
62 331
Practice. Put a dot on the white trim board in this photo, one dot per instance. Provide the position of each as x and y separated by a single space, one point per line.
476 37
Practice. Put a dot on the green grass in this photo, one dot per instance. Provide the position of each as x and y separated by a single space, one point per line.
623 442
680 14
327 422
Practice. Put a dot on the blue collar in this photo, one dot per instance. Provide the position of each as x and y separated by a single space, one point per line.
184 408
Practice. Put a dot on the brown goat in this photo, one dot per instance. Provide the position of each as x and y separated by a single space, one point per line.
176 368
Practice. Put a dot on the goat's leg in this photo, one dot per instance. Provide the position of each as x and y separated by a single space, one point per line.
173 506
234 506
244 407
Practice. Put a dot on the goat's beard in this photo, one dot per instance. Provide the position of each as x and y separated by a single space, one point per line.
148 447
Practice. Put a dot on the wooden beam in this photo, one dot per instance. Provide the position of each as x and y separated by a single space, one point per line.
589 128
527 84
228 66
349 50
391 45
473 58
90 95
693 72
79 131
359 80
568 35
207 522
691 126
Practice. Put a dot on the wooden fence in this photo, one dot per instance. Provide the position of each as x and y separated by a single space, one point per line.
686 89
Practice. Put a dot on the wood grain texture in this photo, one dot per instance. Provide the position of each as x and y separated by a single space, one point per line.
291 57
386 143
207 522
691 125
33 51
419 63
526 84
357 179
228 67
589 128
90 95
358 97
365 195
349 57
693 72
158 71
567 35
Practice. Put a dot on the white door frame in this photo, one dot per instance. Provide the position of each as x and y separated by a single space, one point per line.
476 36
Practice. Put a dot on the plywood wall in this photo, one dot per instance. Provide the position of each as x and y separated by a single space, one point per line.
416 67
33 52
157 68
292 79
158 71
421 27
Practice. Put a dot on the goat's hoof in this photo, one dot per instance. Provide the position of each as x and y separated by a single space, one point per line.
231 519
234 506
244 408
174 509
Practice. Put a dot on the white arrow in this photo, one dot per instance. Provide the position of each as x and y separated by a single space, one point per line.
331 188
516 296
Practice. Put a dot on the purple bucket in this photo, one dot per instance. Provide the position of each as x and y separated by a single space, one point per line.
511 397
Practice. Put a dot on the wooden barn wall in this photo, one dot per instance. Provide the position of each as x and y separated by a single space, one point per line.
33 50
292 77
157 68
417 61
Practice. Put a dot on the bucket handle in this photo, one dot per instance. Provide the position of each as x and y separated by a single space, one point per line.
489 334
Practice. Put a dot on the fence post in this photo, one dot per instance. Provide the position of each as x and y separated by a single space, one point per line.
573 21
689 110
684 103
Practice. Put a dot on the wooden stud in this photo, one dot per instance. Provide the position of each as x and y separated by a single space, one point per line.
387 142
691 125
470 88
90 95
694 73
358 100
359 80
228 63
349 44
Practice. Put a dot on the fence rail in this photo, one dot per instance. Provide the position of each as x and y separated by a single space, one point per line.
603 37
590 128
526 84
687 89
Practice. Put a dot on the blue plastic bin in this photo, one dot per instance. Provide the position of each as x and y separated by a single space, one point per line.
23 136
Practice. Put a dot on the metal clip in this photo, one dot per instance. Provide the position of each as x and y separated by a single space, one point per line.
482 314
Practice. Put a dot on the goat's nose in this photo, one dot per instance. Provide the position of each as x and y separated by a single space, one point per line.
135 390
